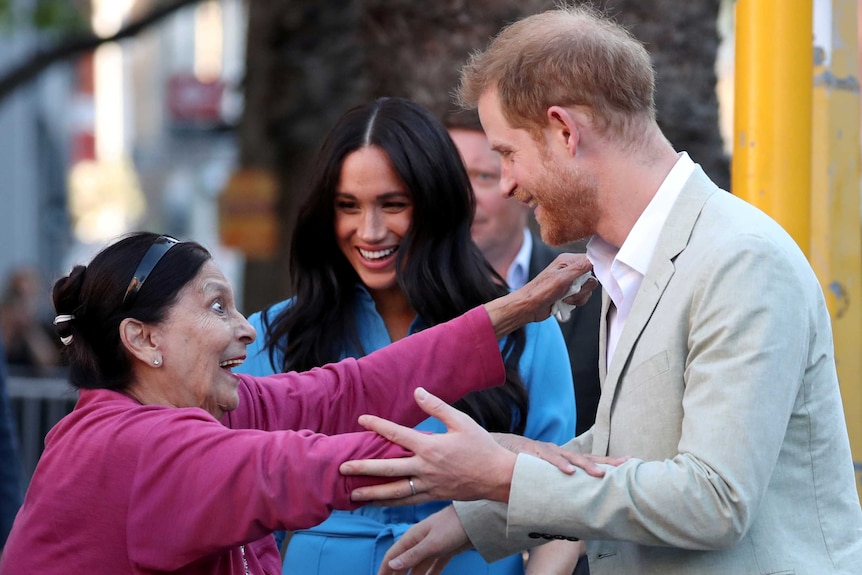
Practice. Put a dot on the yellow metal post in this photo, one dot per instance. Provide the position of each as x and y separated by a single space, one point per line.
836 233
796 154
772 111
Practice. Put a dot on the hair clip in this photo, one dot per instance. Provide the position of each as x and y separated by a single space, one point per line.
64 318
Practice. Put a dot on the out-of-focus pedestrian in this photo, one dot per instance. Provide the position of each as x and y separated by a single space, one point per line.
25 324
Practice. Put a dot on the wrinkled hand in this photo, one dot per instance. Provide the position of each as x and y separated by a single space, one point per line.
563 459
534 301
427 546
553 282
465 463
585 292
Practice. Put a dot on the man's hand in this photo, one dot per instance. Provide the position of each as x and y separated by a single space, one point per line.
427 546
463 464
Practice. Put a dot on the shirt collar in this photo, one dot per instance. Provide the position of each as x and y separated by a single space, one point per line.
638 248
519 269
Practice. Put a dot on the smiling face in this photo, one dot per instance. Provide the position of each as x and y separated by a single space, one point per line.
565 198
373 212
201 338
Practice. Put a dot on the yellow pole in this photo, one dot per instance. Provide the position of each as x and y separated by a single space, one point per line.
772 111
836 244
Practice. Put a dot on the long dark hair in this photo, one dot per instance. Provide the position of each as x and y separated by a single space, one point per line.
90 302
439 268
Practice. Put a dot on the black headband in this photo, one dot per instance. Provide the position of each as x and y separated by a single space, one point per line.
150 260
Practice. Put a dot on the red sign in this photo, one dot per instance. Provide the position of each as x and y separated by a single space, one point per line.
191 101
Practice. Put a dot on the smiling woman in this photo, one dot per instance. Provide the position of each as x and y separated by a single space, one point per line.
172 463
382 249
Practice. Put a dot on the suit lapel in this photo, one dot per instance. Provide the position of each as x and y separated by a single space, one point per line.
672 241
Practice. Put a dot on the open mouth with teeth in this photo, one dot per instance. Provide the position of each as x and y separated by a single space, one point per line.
230 363
377 254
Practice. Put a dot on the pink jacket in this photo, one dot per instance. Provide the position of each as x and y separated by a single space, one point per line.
129 488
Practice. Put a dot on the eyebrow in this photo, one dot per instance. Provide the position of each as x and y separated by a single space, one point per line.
384 196
216 286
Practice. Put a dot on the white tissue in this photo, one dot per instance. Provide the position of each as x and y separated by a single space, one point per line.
562 310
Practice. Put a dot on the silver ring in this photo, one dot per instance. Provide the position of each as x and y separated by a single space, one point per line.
412 487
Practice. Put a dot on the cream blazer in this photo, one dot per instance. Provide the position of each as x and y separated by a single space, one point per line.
723 389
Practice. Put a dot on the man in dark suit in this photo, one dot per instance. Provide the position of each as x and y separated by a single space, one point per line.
501 231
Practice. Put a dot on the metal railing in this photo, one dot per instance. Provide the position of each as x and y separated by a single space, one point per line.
38 403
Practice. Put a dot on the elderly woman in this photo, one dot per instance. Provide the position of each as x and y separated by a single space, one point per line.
171 463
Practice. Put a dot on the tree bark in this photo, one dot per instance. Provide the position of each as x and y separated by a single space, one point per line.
304 68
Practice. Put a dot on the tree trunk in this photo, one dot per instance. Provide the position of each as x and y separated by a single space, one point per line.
304 68
309 60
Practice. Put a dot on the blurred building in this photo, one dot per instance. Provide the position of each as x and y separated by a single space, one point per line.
33 159
136 135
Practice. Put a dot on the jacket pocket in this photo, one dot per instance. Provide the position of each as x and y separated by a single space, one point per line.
646 371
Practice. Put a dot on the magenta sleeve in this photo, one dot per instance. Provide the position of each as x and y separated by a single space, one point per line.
201 488
449 360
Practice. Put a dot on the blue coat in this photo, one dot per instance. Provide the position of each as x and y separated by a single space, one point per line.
360 538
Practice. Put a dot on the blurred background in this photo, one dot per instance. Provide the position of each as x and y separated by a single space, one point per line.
199 120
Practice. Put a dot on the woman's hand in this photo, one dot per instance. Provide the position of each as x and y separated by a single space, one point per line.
427 546
534 301
563 459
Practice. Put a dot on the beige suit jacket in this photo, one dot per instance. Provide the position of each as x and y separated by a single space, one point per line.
723 389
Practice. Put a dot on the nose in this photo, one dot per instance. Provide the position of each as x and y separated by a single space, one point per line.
507 183
246 331
371 228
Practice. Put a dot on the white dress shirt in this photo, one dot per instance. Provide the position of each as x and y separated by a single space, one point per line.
621 270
